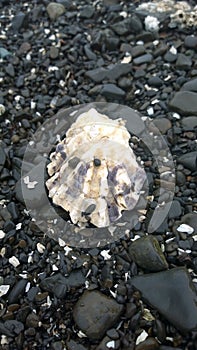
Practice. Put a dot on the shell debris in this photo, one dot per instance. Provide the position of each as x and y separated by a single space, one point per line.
93 171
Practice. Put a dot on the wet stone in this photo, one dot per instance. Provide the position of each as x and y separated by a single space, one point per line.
147 58
163 124
191 42
146 253
72 345
95 313
190 85
183 62
161 290
189 123
170 57
189 160
175 210
184 102
148 344
55 10
112 91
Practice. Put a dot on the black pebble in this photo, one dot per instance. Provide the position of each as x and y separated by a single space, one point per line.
97 162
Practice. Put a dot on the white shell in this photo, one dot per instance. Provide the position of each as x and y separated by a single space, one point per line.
94 173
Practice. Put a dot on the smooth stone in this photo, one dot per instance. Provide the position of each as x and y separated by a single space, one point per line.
129 25
95 313
183 62
125 83
184 102
55 10
189 160
89 53
54 52
190 85
97 75
147 58
2 157
138 50
163 289
163 347
18 21
175 210
112 91
17 291
191 220
148 344
87 11
163 124
73 345
10 70
155 81
58 284
20 81
170 57
189 123
190 42
180 178
118 70
146 253
4 53
11 328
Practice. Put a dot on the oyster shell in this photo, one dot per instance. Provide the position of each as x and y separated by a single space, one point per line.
93 172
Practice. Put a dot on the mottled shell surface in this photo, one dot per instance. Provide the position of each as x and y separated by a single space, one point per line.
93 172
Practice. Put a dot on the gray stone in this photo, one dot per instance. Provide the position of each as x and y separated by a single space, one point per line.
112 91
189 123
189 160
129 25
175 210
163 124
147 58
172 294
191 220
95 313
184 102
72 345
55 10
183 62
87 11
191 42
146 252
155 81
190 85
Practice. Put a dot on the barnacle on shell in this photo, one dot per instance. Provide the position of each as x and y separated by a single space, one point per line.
93 172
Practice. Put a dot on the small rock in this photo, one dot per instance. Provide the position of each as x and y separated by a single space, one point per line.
162 290
87 11
147 253
190 85
155 81
129 25
191 220
95 313
89 53
11 328
17 291
111 91
4 53
18 21
54 52
147 58
163 124
189 123
24 48
72 345
189 160
97 75
2 157
55 10
184 102
138 50
175 210
190 42
170 57
148 344
183 62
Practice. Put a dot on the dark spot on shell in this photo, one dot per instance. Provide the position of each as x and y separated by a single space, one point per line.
59 148
113 212
97 162
73 162
89 210
63 155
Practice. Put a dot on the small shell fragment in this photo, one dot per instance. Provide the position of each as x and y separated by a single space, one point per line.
93 172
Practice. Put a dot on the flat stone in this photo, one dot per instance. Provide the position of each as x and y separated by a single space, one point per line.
18 21
191 42
97 75
138 50
87 11
112 91
175 210
118 70
95 313
189 160
190 85
55 10
155 81
189 123
170 57
184 102
11 328
129 25
54 52
146 252
163 124
163 289
147 58
183 62
58 284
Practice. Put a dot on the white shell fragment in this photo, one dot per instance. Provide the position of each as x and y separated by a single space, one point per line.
185 228
94 172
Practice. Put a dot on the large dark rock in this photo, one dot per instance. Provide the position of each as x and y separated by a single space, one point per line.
189 160
171 293
112 91
190 85
95 313
184 102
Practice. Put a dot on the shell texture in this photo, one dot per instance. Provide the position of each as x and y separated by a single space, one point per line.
93 172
